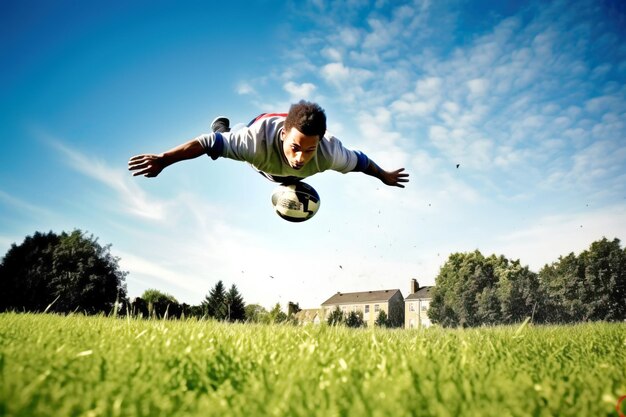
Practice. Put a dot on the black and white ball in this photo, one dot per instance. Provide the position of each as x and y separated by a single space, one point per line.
296 202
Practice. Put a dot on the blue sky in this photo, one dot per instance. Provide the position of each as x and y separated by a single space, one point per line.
529 98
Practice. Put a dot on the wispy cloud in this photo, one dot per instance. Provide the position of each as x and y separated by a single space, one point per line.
299 91
245 88
150 272
132 198
20 205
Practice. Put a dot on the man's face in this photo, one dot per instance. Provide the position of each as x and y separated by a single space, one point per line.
299 148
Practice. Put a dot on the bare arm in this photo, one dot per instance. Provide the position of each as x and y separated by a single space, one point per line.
151 165
391 178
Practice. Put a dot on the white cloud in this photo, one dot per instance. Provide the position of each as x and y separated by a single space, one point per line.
149 270
320 4
200 246
348 80
429 86
332 54
423 163
348 37
245 88
364 59
381 35
451 107
335 72
507 157
375 126
412 109
438 134
478 86
299 91
604 103
601 70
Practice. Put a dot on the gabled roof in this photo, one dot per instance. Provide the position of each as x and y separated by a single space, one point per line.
307 314
361 297
421 294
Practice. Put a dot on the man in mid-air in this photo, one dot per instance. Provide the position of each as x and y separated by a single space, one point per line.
283 147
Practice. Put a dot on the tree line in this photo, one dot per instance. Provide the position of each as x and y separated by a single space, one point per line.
219 304
72 272
472 290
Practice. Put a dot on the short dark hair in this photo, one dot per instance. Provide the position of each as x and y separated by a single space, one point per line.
309 118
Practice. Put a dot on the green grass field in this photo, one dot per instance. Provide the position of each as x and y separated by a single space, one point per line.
100 366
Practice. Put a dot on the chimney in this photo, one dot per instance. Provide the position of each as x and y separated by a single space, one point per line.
414 286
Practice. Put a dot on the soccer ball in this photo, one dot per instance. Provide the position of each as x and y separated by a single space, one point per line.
296 202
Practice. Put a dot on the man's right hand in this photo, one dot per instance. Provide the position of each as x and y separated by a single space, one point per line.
149 165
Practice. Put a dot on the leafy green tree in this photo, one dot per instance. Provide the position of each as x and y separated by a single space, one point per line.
335 317
276 314
604 291
214 304
67 272
255 313
26 272
155 296
479 283
562 282
186 311
382 319
472 290
446 304
196 311
459 285
440 311
161 304
355 319
235 305
85 276
519 293
138 308
488 306
591 286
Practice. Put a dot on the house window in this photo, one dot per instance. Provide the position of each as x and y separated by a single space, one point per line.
343 309
367 308
411 306
376 308
425 305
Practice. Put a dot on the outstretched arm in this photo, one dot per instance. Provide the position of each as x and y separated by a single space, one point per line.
391 178
151 165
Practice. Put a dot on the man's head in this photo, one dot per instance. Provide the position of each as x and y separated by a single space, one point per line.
304 127
309 118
